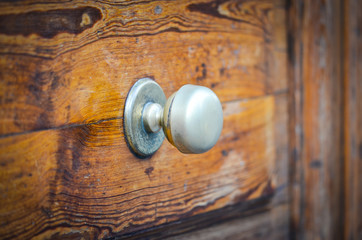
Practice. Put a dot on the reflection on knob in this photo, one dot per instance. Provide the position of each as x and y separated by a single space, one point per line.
191 119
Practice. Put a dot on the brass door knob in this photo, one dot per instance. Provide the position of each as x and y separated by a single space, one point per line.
191 118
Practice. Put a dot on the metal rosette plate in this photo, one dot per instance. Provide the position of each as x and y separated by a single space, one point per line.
142 143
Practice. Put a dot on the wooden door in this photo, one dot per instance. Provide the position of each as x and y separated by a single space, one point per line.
66 171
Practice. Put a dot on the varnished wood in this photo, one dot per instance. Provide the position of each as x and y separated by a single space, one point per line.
85 178
82 76
189 225
76 23
253 227
65 169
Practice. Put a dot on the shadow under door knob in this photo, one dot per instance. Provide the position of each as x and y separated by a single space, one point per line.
191 118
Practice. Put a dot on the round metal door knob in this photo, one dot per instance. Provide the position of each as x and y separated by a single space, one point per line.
191 118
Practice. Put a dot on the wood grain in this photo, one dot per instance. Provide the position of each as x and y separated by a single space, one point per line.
211 222
85 179
252 227
316 119
352 58
67 78
53 28
65 71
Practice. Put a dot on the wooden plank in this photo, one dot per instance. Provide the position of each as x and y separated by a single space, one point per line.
76 23
247 220
78 179
54 76
258 226
316 123
83 181
189 226
353 119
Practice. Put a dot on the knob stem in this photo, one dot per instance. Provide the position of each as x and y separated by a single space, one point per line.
152 117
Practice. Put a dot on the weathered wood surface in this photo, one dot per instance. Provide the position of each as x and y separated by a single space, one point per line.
325 110
82 76
255 226
85 178
352 50
65 170
316 107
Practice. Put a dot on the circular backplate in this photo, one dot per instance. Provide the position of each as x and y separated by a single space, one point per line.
142 143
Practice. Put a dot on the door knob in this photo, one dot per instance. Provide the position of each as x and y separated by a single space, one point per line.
191 118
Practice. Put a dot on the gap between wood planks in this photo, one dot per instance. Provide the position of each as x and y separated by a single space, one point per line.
74 125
